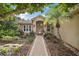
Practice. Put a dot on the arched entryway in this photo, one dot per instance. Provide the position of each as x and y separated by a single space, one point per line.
39 27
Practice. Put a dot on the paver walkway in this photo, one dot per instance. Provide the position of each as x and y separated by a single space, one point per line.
39 47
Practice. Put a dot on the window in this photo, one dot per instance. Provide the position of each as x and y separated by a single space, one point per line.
24 28
29 27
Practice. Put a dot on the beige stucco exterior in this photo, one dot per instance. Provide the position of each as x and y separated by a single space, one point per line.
33 24
70 31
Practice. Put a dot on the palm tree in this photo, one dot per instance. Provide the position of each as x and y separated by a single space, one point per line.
59 12
56 16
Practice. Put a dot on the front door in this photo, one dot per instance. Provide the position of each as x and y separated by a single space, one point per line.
39 27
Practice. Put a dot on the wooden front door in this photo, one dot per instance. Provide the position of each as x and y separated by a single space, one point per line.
39 27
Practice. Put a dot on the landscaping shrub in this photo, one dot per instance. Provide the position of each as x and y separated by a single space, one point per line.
7 38
48 35
17 33
1 33
9 28
16 38
9 33
32 33
51 37
30 37
21 33
4 51
10 51
16 50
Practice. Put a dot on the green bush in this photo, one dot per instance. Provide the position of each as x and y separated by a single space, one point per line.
4 50
30 37
48 35
16 38
7 38
16 33
1 33
9 28
9 33
32 33
17 50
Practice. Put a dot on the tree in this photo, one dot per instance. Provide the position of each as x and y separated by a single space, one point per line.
56 16
58 12
7 10
17 8
9 27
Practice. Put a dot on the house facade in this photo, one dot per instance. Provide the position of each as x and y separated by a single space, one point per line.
36 25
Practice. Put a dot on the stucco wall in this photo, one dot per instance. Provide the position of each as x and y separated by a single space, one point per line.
70 32
34 26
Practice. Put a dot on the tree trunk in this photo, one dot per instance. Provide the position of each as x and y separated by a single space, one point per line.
58 27
59 34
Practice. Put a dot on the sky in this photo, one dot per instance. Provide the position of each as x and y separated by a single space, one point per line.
28 16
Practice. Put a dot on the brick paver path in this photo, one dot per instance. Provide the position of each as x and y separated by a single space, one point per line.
39 47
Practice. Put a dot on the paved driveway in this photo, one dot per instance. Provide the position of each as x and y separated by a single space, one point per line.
39 47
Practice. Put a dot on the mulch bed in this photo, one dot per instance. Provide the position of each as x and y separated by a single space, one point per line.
24 49
57 49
